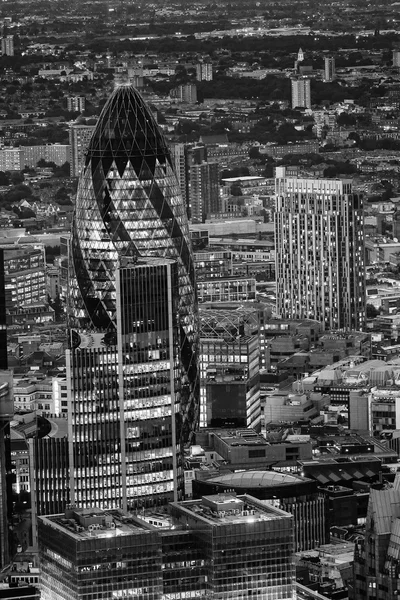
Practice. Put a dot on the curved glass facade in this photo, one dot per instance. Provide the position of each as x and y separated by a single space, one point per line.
129 204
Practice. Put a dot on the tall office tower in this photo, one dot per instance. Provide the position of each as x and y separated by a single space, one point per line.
128 205
230 370
144 419
300 55
319 238
329 68
204 190
150 383
204 71
301 92
7 45
79 138
6 414
377 558
179 155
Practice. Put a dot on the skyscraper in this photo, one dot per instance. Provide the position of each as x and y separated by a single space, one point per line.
301 92
128 205
319 238
150 382
329 68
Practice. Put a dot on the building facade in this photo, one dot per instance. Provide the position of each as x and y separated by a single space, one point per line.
377 557
296 495
76 103
319 238
204 71
230 371
7 45
79 138
329 68
232 289
204 190
56 153
219 547
24 276
301 92
149 348
6 414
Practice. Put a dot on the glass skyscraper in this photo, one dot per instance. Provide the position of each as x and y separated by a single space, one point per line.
128 207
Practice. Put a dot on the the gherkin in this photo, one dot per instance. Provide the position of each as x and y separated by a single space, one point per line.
129 204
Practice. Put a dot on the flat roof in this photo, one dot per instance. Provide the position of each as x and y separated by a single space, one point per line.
223 509
123 524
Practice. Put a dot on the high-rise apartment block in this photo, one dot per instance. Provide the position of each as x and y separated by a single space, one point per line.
16 159
329 68
56 153
79 138
204 71
76 103
129 206
185 93
230 372
219 547
301 92
7 45
319 238
396 58
11 159
204 190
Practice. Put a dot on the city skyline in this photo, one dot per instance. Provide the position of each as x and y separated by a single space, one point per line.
199 349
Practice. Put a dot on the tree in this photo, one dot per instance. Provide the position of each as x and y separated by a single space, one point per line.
57 306
4 179
372 311
254 152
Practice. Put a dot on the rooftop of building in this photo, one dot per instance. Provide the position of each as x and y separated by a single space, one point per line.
245 178
228 508
241 437
247 479
88 523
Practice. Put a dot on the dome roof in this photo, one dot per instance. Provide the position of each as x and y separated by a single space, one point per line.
257 479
